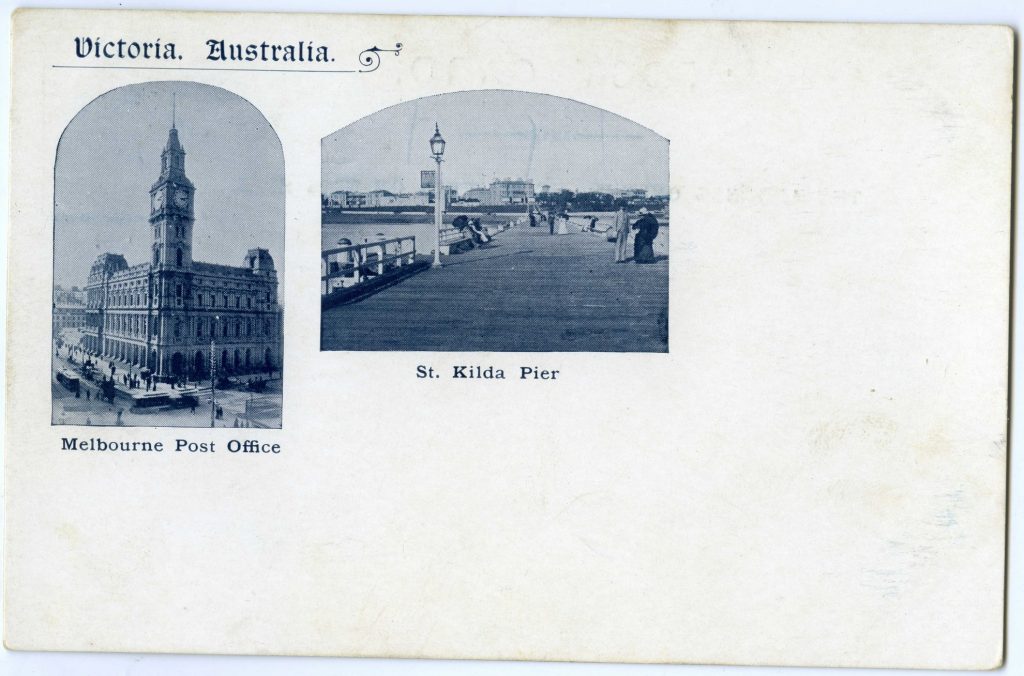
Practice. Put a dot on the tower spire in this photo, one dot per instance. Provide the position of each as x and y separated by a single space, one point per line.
174 102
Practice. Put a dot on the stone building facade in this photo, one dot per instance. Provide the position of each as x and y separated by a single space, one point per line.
167 313
68 309
67 316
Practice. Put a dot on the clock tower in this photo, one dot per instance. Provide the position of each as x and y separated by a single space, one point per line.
171 215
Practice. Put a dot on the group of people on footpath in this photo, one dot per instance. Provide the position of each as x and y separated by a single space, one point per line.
558 224
643 243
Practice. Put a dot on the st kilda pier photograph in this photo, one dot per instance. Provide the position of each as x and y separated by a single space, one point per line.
498 221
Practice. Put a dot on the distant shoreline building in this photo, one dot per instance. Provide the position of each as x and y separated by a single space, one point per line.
504 191
68 309
632 193
383 199
163 314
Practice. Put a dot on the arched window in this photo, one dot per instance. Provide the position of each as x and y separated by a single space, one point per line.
178 258
156 256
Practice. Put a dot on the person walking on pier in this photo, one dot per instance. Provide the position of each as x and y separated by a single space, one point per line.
563 223
643 245
621 234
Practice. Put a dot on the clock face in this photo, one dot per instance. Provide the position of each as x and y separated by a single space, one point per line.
180 198
158 200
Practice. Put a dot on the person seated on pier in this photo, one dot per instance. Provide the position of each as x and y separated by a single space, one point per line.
478 234
594 227
462 224
368 267
347 263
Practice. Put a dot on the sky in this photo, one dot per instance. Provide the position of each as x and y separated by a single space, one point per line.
496 134
109 157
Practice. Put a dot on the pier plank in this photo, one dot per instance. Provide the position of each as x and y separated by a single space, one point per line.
528 291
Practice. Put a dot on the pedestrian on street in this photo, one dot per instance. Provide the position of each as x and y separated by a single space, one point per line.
621 234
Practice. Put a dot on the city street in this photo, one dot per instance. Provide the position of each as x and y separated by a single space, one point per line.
89 409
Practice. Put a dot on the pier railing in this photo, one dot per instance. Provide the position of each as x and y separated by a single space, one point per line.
349 265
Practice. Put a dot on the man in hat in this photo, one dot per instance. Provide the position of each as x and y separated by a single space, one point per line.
621 234
647 229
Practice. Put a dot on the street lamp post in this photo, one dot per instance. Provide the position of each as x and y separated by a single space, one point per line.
437 150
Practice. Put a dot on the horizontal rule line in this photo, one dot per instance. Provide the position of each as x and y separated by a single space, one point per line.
251 70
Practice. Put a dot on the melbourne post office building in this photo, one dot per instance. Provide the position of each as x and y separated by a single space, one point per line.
171 313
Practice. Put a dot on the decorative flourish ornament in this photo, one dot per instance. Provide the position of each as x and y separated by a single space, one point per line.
370 58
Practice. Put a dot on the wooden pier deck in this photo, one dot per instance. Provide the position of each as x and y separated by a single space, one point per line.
527 291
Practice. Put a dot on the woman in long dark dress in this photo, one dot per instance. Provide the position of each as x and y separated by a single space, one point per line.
647 229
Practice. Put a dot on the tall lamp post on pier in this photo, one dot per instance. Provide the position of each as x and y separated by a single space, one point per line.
437 150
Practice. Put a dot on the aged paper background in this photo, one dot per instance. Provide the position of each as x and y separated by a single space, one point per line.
819 476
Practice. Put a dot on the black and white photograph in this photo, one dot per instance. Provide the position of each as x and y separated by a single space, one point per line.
168 245
498 221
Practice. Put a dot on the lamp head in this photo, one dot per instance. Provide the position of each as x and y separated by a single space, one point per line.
437 142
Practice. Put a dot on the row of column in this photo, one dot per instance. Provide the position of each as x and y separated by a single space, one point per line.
130 353
195 363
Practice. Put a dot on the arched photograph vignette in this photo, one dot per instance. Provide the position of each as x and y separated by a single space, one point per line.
494 221
167 272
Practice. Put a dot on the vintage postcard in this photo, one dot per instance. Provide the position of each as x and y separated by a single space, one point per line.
508 338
